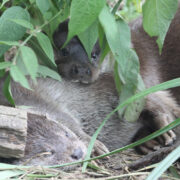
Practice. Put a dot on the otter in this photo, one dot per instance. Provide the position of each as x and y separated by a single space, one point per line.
156 68
49 143
161 106
73 60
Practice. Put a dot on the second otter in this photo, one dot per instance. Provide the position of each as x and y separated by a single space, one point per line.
161 106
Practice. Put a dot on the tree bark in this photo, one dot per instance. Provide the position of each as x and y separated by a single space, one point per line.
13 132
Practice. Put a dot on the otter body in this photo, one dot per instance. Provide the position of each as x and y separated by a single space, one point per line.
170 58
156 68
88 105
160 106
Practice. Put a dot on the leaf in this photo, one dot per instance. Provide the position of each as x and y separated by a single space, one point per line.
164 164
10 43
134 109
42 57
117 43
174 172
7 90
4 166
119 40
17 76
4 1
46 46
7 174
157 16
43 5
23 23
10 31
30 61
45 71
2 72
4 65
103 44
89 37
83 13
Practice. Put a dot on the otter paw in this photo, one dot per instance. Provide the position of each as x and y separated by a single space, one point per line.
148 147
167 138
161 121
100 148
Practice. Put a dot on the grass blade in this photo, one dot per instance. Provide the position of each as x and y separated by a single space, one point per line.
164 165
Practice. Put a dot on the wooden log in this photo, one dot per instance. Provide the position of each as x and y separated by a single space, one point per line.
13 132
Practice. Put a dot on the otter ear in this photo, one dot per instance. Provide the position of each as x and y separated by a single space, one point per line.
63 27
60 35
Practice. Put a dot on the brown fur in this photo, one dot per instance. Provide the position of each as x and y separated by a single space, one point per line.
156 68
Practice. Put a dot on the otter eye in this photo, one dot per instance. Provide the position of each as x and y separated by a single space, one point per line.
93 56
52 152
67 134
88 72
65 52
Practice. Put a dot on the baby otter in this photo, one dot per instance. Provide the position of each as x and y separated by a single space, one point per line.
73 62
58 143
49 143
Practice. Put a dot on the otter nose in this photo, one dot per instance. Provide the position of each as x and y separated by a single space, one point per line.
77 154
80 71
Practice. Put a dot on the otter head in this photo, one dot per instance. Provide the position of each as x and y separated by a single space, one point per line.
50 143
72 61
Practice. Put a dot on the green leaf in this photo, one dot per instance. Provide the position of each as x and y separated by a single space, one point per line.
20 64
30 61
23 23
119 40
174 172
157 16
103 44
10 43
18 76
4 65
83 13
42 57
4 1
46 46
7 90
164 164
89 37
8 174
10 31
45 71
43 5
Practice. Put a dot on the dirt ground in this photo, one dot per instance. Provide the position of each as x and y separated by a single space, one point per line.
116 167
